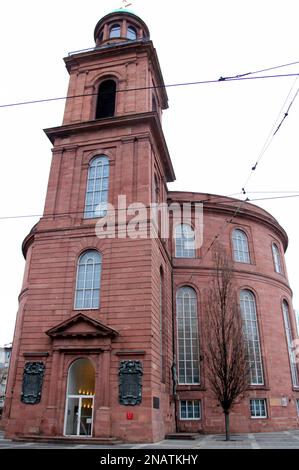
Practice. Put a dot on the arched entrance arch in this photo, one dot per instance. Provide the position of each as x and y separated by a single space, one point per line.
80 399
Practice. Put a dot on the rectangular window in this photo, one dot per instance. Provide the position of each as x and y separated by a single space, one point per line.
190 409
297 403
258 408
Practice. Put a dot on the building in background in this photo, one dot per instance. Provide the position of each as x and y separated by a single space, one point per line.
109 330
5 353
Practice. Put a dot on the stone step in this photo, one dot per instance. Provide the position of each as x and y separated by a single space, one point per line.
68 440
183 435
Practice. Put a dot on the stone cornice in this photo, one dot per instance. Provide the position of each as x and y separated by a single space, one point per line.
228 206
208 270
150 118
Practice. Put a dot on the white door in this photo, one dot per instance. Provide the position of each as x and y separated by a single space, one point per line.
79 415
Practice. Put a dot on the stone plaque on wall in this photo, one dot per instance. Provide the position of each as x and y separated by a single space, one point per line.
32 382
130 382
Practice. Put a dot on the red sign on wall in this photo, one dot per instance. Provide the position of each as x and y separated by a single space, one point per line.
129 415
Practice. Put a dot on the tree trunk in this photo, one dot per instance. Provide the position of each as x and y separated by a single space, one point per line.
227 433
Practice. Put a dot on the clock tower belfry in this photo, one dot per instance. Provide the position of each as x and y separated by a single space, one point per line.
93 349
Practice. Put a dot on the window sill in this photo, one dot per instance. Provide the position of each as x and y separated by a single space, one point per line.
191 388
258 387
258 417
92 309
189 419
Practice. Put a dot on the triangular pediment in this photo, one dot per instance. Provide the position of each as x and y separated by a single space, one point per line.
81 325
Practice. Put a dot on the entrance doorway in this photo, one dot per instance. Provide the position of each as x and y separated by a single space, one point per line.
80 399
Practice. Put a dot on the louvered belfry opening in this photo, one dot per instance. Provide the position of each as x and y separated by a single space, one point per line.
106 99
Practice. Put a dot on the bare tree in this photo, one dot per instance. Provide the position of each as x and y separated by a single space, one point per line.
225 348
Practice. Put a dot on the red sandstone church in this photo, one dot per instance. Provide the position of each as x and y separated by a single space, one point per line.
104 323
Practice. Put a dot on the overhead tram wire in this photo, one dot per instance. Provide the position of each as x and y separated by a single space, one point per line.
273 192
64 214
202 201
275 128
273 197
152 87
259 71
264 148
221 79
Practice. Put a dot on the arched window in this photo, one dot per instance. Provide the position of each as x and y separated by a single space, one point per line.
79 400
114 31
88 281
251 333
97 188
240 246
276 258
289 335
187 336
184 241
131 33
106 99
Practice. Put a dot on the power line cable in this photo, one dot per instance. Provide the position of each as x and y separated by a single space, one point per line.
221 79
64 214
219 199
274 197
265 147
127 90
272 192
286 113
259 71
272 133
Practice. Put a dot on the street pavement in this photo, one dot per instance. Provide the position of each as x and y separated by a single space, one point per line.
267 440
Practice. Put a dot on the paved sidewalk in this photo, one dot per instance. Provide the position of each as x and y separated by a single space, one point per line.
269 440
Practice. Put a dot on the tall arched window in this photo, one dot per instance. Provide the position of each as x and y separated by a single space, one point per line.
240 246
97 188
276 258
187 336
114 31
184 241
251 333
106 99
87 295
289 335
162 323
131 33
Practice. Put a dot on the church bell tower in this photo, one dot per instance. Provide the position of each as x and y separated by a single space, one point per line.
93 350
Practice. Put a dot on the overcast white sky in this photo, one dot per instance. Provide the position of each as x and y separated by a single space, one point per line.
214 132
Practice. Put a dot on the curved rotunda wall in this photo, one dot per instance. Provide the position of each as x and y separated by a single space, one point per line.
269 288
